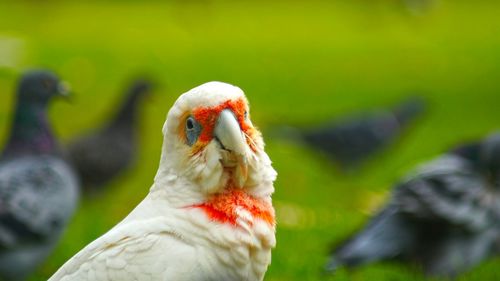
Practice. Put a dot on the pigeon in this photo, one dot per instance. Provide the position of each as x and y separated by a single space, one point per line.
444 217
100 156
352 140
38 189
208 214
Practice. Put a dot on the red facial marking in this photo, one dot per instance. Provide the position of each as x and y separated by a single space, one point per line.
223 207
207 117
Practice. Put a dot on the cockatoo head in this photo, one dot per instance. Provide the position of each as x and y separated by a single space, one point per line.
210 142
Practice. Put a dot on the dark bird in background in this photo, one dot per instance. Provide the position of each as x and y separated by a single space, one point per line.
38 189
104 153
445 217
353 139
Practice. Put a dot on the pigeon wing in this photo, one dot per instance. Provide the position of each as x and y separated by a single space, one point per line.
448 189
37 197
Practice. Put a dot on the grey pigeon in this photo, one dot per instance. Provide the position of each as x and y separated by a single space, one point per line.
38 189
445 217
102 155
353 139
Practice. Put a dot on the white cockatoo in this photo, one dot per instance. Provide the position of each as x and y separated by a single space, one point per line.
208 215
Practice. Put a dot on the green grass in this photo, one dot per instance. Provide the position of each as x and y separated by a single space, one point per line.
298 63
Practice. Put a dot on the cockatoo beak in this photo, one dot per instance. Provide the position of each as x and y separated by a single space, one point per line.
228 132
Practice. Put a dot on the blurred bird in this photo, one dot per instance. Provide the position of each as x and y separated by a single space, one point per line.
208 215
352 140
38 190
103 154
445 217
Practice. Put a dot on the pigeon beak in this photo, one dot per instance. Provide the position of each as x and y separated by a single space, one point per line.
64 90
228 132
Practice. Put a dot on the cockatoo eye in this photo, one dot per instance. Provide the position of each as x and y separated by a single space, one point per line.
246 115
193 130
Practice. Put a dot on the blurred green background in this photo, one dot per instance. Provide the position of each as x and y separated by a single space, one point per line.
299 63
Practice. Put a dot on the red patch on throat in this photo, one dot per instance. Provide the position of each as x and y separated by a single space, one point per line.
224 207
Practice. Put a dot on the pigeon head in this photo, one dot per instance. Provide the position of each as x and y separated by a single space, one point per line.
31 131
39 87
126 114
141 87
210 141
